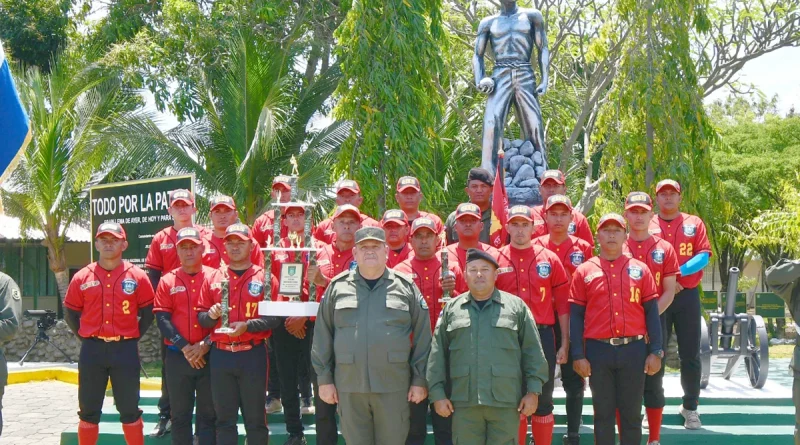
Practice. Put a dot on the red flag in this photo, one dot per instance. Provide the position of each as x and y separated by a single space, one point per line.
497 232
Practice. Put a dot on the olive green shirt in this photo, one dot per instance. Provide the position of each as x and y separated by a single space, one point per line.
452 235
484 354
371 340
784 279
10 315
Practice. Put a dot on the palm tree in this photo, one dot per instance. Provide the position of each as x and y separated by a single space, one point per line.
255 117
70 108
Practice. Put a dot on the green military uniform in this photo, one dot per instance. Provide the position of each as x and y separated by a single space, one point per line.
452 236
10 313
373 344
485 355
784 279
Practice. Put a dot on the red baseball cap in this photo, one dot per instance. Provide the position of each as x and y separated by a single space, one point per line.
611 218
285 209
181 195
347 208
408 182
348 184
111 228
556 200
222 200
189 234
238 230
520 212
553 175
668 183
394 216
468 209
423 223
638 199
282 180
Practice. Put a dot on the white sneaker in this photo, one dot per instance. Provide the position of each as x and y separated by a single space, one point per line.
655 442
692 419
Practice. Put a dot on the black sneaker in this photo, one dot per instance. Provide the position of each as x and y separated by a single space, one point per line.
163 427
298 439
572 439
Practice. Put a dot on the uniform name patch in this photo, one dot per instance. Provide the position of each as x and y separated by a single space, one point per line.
635 272
89 284
216 286
323 262
129 286
177 289
167 246
592 276
654 231
689 229
281 257
576 258
255 288
505 270
538 222
658 256
543 269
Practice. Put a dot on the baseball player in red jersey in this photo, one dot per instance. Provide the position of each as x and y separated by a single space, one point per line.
263 225
162 257
337 257
572 252
662 261
408 197
109 306
537 276
347 192
468 227
613 306
687 234
425 268
395 224
553 182
188 343
239 359
223 214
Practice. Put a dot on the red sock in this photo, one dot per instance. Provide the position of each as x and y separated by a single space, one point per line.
88 433
522 432
654 416
542 428
134 432
619 425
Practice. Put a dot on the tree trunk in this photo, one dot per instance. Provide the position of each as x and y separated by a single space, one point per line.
57 260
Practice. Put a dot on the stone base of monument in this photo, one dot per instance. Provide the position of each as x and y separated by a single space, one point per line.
523 166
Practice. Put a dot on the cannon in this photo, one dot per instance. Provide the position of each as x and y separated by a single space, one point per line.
735 337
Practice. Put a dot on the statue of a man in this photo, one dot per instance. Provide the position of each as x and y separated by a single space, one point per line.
512 33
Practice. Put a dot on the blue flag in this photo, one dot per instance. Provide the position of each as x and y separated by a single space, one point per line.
15 128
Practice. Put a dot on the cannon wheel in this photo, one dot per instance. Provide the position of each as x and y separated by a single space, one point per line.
705 354
757 360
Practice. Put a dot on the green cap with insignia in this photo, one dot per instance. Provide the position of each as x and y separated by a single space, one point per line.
370 233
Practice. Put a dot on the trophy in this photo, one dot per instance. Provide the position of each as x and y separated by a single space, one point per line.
445 266
292 274
225 303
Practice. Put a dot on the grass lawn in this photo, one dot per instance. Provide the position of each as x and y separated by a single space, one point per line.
153 369
781 351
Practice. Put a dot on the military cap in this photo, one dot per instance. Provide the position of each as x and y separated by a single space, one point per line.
370 233
477 254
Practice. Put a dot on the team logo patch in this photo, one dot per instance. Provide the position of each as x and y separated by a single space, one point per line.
129 286
255 288
658 256
572 228
543 269
576 258
635 272
177 289
167 246
689 229
353 265
89 284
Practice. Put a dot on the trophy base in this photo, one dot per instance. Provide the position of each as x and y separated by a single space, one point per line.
288 308
224 330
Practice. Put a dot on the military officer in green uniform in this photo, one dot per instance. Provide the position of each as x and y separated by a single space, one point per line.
10 312
784 279
371 343
486 349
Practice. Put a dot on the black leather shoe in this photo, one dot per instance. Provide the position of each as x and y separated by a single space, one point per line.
163 427
572 439
296 440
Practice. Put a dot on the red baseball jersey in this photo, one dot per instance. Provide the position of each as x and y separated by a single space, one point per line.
324 231
244 294
109 300
262 228
178 294
331 262
614 293
572 252
659 256
437 222
426 275
397 257
280 258
579 226
215 252
537 276
458 255
688 237
162 254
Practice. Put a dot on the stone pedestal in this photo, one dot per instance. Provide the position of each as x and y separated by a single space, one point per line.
523 167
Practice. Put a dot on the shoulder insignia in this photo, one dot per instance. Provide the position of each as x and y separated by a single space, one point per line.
15 294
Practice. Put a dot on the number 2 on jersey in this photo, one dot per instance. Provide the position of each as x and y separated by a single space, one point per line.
126 307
